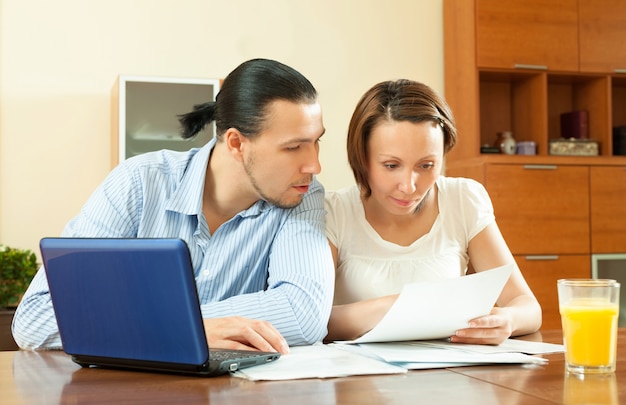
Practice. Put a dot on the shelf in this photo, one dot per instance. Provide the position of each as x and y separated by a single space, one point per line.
490 92
619 161
575 92
513 101
530 103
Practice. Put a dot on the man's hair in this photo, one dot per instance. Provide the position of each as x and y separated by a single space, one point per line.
394 101
243 99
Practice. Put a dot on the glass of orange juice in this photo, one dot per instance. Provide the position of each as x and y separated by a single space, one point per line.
589 310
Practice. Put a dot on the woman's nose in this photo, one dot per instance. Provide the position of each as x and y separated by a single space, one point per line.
407 184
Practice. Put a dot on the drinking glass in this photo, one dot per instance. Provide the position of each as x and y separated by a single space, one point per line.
589 310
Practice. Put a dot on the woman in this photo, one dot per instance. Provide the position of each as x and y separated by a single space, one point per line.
404 222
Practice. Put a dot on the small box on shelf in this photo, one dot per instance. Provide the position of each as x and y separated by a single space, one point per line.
575 124
489 149
574 147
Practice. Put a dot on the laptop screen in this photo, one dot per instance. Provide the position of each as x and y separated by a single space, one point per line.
125 298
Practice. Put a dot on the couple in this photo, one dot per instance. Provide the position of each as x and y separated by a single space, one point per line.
270 250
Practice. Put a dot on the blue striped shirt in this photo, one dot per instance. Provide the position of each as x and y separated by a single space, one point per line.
265 263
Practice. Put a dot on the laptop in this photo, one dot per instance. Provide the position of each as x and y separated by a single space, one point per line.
133 304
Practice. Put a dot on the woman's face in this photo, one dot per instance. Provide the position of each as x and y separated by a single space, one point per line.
404 161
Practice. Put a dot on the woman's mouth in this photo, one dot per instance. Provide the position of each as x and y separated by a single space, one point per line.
402 203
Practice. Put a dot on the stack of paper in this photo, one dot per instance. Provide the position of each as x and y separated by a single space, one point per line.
318 361
340 360
437 354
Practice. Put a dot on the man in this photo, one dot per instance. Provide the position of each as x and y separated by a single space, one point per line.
247 205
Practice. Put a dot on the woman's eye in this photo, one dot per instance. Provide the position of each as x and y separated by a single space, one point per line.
390 165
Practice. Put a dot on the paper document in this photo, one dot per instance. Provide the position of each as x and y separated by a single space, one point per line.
318 361
508 346
414 355
341 360
436 309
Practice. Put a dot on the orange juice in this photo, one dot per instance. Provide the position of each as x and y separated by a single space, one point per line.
590 332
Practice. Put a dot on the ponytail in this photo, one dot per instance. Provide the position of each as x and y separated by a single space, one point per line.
194 122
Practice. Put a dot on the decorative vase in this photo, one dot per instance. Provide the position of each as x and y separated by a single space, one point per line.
505 142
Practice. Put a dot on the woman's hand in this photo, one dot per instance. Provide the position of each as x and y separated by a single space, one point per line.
239 333
491 329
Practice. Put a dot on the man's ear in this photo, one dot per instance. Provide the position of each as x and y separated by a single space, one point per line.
235 143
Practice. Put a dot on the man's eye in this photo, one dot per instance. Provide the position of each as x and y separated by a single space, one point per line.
293 148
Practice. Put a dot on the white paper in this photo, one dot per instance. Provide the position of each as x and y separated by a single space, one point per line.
508 346
318 361
341 360
405 353
437 309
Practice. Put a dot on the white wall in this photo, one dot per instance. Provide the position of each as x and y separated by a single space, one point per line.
59 60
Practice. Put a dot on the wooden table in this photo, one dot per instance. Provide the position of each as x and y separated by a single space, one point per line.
51 377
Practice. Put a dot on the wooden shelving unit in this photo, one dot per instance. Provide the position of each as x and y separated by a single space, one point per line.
517 65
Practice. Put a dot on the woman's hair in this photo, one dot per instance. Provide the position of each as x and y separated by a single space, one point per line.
244 97
394 101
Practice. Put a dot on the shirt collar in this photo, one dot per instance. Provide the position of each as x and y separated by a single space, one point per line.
187 198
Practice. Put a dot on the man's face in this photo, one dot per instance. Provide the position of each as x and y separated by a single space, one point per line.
281 160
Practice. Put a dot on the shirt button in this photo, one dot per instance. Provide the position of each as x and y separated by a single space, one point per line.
206 273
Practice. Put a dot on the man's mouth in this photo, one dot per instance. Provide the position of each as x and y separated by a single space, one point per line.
302 188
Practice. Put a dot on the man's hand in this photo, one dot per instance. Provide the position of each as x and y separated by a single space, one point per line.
243 333
491 329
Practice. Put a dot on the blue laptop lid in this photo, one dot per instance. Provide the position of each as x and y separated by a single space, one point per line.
125 299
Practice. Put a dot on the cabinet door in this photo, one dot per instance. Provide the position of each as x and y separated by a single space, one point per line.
541 209
527 32
541 274
608 209
602 35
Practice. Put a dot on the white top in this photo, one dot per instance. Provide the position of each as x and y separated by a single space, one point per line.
369 266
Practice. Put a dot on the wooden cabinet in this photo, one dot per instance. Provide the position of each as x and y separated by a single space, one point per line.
489 92
602 30
554 217
542 271
541 209
608 209
517 66
527 33
560 35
